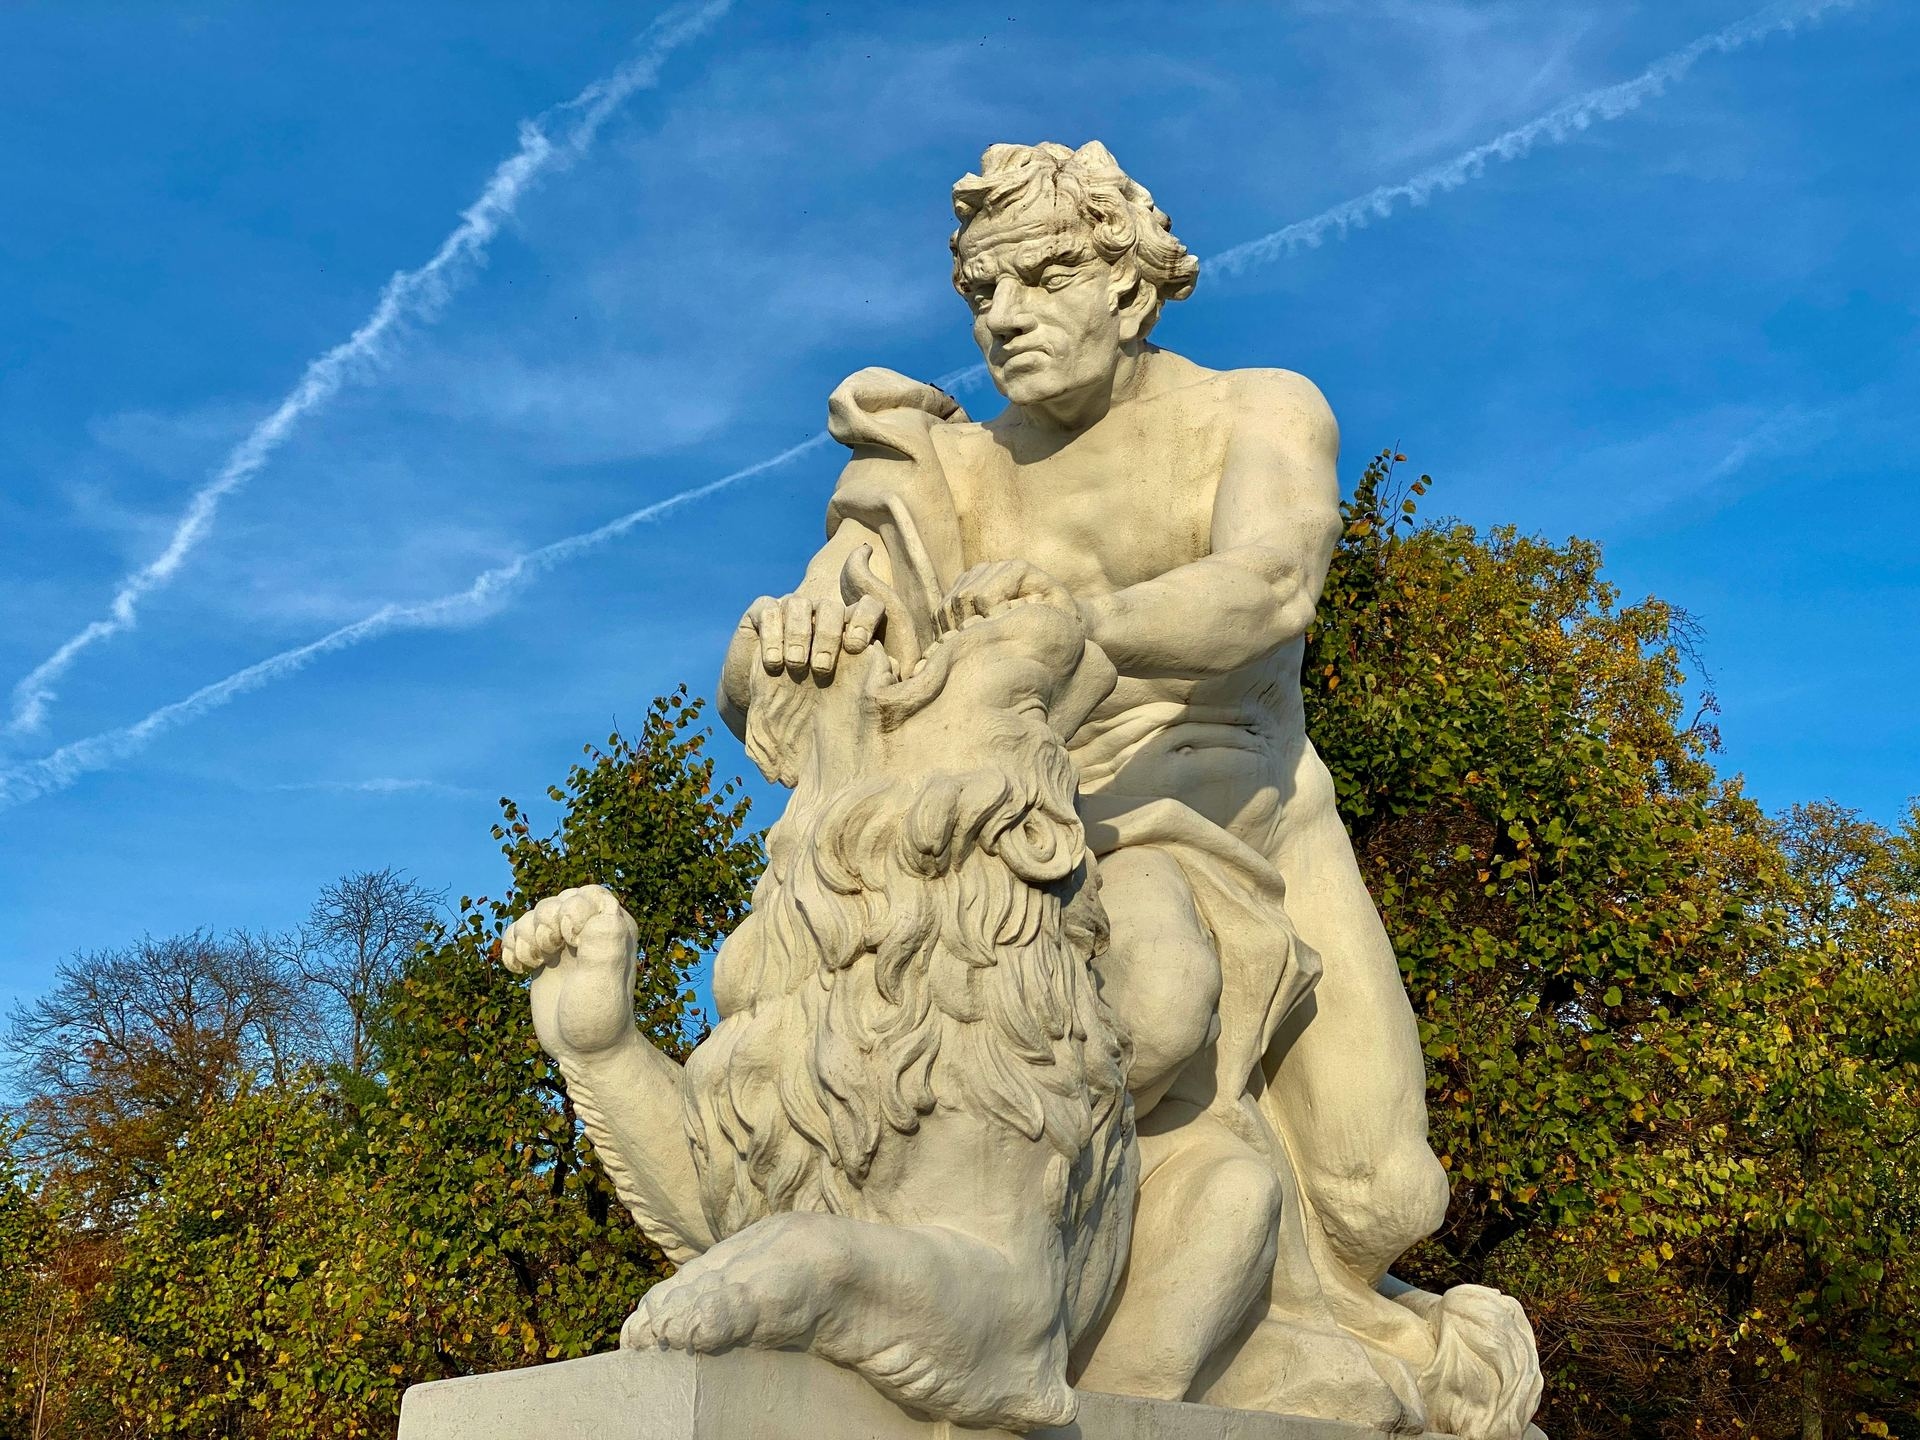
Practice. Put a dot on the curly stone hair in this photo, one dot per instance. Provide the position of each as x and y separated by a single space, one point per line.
1122 222
915 943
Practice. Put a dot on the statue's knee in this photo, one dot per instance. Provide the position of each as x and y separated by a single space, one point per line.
1374 1213
1169 1000
1425 1191
1238 1199
1189 999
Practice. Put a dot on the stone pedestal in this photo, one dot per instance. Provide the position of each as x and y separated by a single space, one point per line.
771 1395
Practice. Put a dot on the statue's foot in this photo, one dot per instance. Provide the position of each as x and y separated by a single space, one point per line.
1289 1368
766 1287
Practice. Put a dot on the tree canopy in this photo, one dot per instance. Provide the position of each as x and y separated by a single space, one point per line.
262 1184
1672 1043
408 1197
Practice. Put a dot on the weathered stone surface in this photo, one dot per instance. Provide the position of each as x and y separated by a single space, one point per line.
772 1395
1064 1039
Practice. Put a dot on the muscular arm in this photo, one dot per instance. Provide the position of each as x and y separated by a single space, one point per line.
1276 519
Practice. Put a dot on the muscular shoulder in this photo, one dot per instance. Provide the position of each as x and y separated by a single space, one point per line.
1282 406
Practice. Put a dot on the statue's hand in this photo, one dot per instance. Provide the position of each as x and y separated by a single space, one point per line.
580 948
987 587
798 632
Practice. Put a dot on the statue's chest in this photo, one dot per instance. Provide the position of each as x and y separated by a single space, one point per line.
1108 511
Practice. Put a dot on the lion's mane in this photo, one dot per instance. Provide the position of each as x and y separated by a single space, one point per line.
912 945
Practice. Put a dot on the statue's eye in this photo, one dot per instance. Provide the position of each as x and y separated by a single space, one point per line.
1056 278
980 297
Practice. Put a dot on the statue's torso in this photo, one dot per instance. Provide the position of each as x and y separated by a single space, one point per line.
1130 499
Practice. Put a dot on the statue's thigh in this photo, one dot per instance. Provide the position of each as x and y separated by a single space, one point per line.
1160 973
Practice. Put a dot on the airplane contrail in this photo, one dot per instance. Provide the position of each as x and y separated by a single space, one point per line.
1556 127
411 294
62 767
488 591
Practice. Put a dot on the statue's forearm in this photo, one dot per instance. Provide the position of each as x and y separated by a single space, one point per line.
1210 617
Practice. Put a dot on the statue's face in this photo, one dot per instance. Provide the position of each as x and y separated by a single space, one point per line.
1045 313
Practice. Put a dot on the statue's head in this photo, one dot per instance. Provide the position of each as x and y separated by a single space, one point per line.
1065 261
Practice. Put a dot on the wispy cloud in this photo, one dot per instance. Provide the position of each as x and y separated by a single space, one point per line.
488 592
381 785
1555 127
1785 432
549 141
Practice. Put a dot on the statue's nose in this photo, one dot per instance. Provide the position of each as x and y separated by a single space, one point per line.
1008 314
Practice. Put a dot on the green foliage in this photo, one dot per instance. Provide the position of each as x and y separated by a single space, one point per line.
52 1363
1625 1026
324 1236
256 1296
1673 1049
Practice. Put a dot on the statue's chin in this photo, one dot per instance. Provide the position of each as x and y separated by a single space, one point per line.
1028 387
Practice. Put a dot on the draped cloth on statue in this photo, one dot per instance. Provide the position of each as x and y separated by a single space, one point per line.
895 487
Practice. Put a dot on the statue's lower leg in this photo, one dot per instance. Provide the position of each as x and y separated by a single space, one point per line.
1183 1299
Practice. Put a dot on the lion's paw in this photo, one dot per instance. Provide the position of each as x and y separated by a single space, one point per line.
703 1314
766 1287
585 924
1484 1382
580 948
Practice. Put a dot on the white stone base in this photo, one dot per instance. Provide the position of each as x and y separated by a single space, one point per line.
771 1395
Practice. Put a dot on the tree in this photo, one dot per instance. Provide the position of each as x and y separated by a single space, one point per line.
52 1367
262 1291
318 1241
1608 946
358 934
1793 1200
116 1062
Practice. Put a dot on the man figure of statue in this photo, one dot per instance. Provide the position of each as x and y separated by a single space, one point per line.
1190 515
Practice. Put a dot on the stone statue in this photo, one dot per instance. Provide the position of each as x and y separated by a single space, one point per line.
907 1145
1064 1044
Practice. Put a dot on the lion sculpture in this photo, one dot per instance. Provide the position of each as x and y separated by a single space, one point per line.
908 1145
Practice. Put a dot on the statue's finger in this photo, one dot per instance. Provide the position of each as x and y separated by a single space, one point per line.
797 621
772 635
829 628
862 620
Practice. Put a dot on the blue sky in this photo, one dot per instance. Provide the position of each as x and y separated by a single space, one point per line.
1685 329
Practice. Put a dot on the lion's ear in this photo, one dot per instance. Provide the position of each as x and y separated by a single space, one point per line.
1041 849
